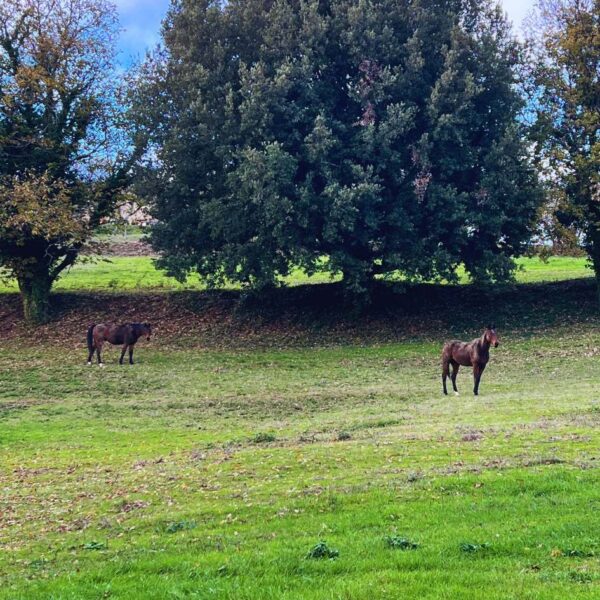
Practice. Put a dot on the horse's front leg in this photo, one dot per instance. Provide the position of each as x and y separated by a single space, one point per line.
455 367
477 372
445 373
131 354
123 350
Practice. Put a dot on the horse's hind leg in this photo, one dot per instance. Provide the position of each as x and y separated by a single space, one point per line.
445 373
455 367
91 354
123 350
98 353
131 354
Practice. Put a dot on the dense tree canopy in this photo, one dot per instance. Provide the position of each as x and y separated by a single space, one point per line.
382 135
59 163
566 100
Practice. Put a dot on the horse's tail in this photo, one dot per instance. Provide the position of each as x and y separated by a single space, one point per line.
90 337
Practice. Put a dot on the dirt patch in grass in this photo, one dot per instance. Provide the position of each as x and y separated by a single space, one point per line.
130 248
120 247
12 406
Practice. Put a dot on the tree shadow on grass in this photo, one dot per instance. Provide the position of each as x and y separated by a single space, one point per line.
318 314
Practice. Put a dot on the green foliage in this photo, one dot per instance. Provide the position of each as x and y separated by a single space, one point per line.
400 543
576 552
322 550
471 548
60 160
177 526
264 438
565 96
38 563
94 546
381 135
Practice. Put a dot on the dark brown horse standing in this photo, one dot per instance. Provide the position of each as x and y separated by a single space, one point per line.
126 335
474 354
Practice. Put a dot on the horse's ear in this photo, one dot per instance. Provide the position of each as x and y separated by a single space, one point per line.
489 327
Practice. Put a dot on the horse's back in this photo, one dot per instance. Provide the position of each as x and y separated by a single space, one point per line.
452 345
100 329
457 351
111 332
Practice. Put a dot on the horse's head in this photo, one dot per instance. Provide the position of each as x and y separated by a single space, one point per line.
145 329
490 336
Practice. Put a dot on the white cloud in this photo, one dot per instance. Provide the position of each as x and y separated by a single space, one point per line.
517 10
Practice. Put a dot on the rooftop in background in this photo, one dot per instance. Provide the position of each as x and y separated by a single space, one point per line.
141 21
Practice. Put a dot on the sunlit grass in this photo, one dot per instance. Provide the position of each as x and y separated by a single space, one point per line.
202 473
140 273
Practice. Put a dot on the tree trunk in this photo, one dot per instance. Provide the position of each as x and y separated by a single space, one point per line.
359 284
593 248
596 265
35 292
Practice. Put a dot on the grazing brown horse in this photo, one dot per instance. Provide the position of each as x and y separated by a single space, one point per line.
474 354
127 335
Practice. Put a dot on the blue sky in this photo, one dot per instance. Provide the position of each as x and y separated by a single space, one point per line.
140 21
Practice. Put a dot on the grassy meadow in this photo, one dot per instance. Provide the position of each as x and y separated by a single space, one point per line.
317 470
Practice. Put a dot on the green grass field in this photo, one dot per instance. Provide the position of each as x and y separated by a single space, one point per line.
212 473
120 273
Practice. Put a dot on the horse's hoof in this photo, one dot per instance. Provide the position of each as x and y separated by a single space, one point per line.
456 394
89 363
101 365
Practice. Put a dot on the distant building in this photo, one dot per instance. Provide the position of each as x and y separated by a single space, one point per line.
134 214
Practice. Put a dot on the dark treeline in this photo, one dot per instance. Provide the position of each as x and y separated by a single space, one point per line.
366 138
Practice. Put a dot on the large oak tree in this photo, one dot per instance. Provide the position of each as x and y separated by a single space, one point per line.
382 135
